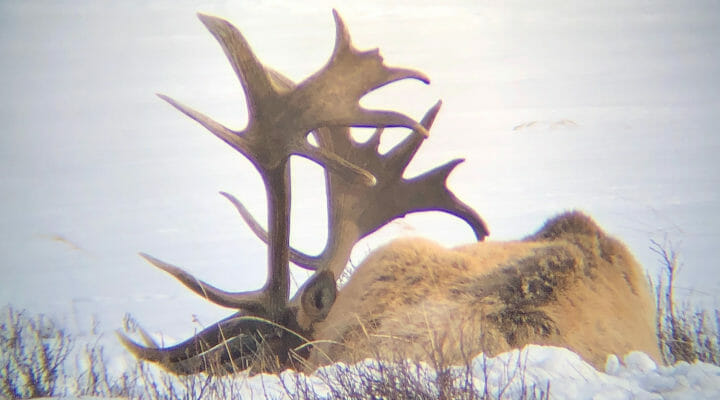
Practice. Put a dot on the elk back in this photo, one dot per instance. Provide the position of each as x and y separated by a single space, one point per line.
568 285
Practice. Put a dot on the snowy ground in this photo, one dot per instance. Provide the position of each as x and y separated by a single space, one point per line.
512 374
566 375
610 107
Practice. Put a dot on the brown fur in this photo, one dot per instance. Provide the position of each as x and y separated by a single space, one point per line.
568 285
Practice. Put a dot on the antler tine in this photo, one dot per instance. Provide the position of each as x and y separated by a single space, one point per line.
247 67
342 35
198 344
374 140
233 339
399 156
429 192
250 301
232 138
349 75
297 257
349 171
343 46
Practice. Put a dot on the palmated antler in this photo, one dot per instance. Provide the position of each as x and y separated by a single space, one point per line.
366 190
281 118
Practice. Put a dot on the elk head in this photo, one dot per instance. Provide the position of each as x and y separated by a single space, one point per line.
365 191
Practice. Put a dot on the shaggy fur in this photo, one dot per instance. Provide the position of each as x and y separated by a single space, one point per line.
567 285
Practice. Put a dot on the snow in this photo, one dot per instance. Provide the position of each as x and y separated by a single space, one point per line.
610 107
511 374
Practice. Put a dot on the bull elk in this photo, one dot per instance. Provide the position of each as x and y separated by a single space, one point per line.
510 291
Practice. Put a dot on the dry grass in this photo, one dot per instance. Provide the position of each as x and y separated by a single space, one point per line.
396 377
685 332
33 351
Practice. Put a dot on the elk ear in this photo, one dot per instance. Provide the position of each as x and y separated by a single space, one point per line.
319 296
